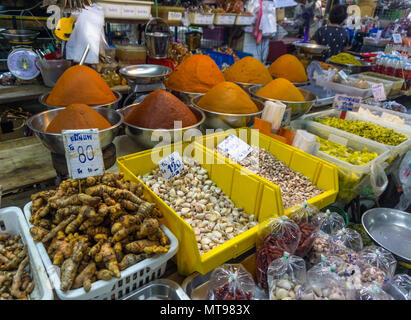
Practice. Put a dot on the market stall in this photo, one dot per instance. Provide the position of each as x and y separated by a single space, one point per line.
161 170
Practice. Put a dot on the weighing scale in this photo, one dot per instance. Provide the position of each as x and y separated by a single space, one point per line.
21 61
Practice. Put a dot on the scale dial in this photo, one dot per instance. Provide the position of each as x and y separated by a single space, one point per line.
22 64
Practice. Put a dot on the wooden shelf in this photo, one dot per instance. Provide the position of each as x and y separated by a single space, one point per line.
132 21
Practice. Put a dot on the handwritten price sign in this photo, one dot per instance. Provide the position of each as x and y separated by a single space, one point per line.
171 166
83 153
346 103
235 147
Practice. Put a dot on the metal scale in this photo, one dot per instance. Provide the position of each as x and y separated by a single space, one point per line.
21 61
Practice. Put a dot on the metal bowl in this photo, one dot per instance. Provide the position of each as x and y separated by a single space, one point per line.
351 68
390 229
312 48
246 86
297 84
54 141
145 73
160 289
111 105
185 96
298 109
143 136
217 120
19 35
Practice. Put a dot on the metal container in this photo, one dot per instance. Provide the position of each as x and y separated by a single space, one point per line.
184 96
161 289
312 48
19 36
325 96
144 137
193 40
351 68
297 84
157 36
217 120
246 86
390 229
54 141
298 109
368 41
145 74
111 105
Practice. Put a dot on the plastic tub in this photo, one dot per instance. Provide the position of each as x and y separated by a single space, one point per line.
321 173
131 278
352 91
398 82
51 70
12 222
384 115
371 80
254 195
394 150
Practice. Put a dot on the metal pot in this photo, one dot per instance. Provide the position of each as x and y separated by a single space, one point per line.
157 36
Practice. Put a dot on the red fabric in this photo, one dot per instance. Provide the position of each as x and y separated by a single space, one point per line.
161 62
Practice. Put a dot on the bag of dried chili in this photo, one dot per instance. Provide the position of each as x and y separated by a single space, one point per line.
274 237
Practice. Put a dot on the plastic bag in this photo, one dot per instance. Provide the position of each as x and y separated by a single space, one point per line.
380 258
321 247
345 243
330 222
231 282
405 178
399 287
373 292
306 142
378 179
309 227
274 237
285 277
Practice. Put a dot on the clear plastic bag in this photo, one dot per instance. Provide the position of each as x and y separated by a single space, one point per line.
372 292
285 277
380 258
330 222
231 282
399 287
321 247
405 178
274 237
345 243
378 179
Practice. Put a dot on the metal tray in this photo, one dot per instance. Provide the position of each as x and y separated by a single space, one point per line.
161 289
391 229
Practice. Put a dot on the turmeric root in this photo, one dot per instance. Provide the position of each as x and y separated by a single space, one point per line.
109 258
104 274
131 259
146 246
123 222
96 249
144 211
64 212
76 199
59 250
60 226
84 277
69 266
118 250
128 205
108 200
15 287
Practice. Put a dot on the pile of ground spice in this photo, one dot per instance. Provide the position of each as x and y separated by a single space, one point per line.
77 116
248 70
80 84
281 89
227 97
289 67
198 73
159 110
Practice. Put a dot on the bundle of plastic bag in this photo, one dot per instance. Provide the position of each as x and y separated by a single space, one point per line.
309 227
399 287
286 275
405 178
231 282
379 258
330 222
345 243
275 237
372 292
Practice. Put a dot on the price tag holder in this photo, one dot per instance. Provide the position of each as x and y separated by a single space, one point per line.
396 37
346 103
343 75
175 16
171 166
378 92
235 147
83 153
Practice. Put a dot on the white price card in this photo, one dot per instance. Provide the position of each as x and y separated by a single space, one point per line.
128 11
171 166
142 11
346 103
83 153
378 92
343 75
235 147
112 10
175 16
284 3
396 37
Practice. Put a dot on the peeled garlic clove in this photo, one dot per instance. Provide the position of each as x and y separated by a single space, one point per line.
281 293
284 284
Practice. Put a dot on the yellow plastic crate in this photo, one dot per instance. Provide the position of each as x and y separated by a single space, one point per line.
320 172
254 195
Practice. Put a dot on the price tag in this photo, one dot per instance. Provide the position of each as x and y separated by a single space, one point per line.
175 16
284 3
396 37
378 92
343 75
112 10
83 153
243 20
142 11
346 103
128 11
235 147
171 166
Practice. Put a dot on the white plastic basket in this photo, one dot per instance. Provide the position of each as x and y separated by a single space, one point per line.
12 222
131 279
341 88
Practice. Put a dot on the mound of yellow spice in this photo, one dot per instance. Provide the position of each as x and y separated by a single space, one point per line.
227 97
281 89
248 70
289 67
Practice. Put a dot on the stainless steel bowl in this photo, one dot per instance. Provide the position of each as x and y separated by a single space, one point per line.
111 105
351 68
297 84
160 289
54 141
298 109
184 96
217 120
19 35
312 48
391 229
145 73
144 136
246 86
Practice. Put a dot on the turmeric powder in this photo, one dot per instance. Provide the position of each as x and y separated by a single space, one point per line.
80 84
248 70
198 73
289 67
281 89
77 116
227 97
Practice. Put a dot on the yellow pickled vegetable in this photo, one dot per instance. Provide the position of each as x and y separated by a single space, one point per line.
364 129
345 58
